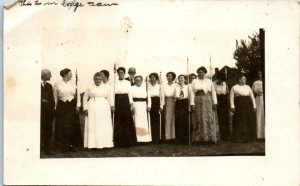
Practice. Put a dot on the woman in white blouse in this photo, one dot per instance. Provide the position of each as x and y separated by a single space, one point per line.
141 105
67 125
260 113
182 112
97 104
204 105
168 105
223 106
243 106
124 129
154 92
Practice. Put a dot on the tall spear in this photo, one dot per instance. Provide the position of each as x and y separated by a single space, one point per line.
187 63
76 82
159 109
114 94
148 116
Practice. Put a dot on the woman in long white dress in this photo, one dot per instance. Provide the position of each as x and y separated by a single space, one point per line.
258 91
97 104
142 106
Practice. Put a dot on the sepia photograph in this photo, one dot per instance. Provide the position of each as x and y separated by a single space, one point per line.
114 85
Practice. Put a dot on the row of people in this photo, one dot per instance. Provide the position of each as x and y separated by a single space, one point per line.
149 113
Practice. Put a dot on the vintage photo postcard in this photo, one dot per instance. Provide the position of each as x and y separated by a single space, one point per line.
151 92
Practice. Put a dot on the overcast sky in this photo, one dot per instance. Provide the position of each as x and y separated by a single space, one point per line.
161 35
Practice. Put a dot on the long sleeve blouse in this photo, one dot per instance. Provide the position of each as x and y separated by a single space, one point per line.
94 92
206 86
241 90
140 92
124 87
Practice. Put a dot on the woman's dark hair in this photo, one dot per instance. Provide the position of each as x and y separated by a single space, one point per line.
172 74
106 73
202 69
64 72
154 74
192 75
121 68
97 74
138 76
221 76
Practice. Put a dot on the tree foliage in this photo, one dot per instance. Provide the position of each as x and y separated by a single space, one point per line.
248 55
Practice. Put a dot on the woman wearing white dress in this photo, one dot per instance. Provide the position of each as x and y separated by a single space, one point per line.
141 105
258 91
168 105
243 106
97 104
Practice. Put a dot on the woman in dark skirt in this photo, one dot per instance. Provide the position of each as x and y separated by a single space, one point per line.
182 112
243 106
154 91
124 129
223 106
67 125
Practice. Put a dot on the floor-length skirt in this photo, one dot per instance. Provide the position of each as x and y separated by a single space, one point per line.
124 129
98 132
205 120
260 117
223 117
182 121
155 119
244 123
67 125
142 121
170 118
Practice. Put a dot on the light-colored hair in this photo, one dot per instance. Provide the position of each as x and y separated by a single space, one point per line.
44 73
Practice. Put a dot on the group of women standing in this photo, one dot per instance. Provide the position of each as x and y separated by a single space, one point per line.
121 115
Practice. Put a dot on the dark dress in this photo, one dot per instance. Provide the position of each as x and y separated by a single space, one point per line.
223 116
124 129
155 117
47 116
243 120
182 121
67 125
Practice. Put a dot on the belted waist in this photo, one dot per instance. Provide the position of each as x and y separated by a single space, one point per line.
201 93
139 99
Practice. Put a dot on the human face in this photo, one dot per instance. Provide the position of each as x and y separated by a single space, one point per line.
170 78
132 72
121 74
97 80
242 80
138 81
181 80
192 78
201 74
103 76
152 80
69 76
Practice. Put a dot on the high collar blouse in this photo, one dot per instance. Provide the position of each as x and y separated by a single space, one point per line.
140 92
257 87
221 89
167 91
184 89
241 90
154 90
64 91
123 87
206 86
94 92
